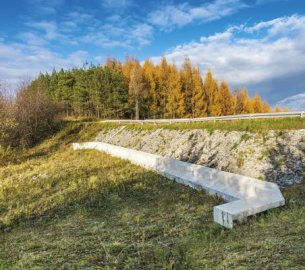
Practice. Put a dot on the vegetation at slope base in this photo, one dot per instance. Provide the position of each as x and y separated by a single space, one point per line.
65 209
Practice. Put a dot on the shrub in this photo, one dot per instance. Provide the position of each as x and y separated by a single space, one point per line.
28 117
7 121
36 116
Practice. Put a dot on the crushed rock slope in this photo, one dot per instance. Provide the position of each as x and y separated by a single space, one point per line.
276 156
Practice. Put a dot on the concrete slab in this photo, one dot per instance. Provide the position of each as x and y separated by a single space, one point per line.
245 196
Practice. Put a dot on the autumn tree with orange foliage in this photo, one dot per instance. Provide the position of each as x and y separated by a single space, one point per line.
212 93
241 101
226 99
199 98
175 106
150 77
137 91
187 85
147 90
163 71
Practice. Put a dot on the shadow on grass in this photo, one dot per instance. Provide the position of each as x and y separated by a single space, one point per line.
144 194
67 133
137 223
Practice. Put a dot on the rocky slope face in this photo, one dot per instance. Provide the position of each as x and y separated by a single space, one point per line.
276 156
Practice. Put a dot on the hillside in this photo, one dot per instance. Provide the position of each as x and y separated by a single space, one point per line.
273 155
61 209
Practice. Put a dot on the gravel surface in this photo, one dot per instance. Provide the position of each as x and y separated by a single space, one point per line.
276 156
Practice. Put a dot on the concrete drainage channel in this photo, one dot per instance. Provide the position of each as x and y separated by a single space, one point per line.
245 196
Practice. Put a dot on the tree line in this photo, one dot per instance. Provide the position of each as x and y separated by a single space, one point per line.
148 90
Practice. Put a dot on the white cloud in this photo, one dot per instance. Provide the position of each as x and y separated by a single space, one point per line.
244 59
114 18
35 51
142 32
100 39
44 32
33 39
172 16
49 28
279 26
117 5
117 35
294 103
42 7
18 61
218 37
77 28
80 17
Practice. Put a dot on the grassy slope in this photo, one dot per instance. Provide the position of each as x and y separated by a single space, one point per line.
61 209
255 125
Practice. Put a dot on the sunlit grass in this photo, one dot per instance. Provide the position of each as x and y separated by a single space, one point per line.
65 209
254 125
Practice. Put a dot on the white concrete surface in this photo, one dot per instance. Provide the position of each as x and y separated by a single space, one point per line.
245 196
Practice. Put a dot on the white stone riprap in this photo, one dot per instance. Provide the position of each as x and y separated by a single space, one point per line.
273 156
245 196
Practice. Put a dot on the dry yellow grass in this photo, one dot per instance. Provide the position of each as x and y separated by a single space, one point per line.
61 209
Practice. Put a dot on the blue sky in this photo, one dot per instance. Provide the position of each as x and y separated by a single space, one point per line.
258 44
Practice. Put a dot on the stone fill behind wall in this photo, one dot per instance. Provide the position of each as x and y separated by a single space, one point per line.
276 156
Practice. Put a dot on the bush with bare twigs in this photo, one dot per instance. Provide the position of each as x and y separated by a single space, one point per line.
27 118
7 120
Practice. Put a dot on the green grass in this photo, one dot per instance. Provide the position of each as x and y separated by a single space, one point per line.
254 125
65 209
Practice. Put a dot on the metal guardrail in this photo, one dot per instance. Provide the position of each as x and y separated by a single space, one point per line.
212 118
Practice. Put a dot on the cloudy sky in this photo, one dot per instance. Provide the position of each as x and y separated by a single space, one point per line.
258 44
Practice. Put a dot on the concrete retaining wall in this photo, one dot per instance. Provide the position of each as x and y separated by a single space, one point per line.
245 196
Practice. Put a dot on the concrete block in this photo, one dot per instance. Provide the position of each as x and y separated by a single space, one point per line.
245 196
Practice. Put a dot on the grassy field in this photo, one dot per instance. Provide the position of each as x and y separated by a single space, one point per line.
254 125
61 209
